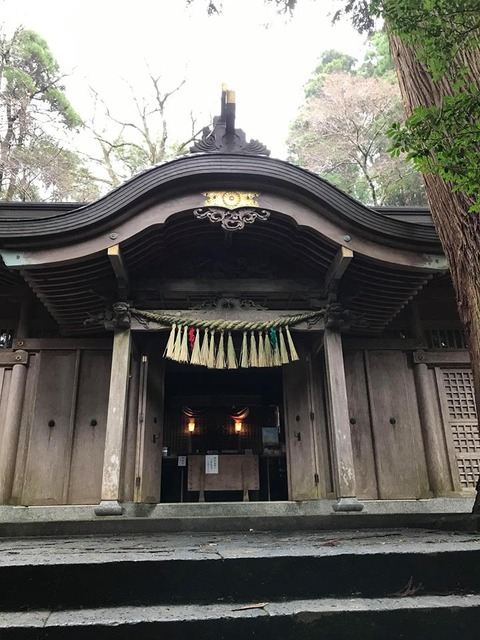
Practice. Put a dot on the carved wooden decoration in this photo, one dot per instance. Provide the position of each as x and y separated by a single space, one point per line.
232 209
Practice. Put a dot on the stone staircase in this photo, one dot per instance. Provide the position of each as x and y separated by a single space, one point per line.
362 584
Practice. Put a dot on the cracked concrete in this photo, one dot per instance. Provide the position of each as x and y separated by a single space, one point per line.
305 611
209 546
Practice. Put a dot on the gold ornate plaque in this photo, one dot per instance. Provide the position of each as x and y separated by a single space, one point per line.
231 199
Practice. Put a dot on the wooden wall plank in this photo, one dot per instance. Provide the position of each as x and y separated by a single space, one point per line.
131 428
439 472
150 464
399 452
49 446
320 425
361 430
85 482
300 444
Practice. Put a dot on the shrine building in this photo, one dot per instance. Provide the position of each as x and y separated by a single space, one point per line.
230 327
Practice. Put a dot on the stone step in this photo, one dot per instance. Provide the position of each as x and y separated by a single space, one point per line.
190 569
412 618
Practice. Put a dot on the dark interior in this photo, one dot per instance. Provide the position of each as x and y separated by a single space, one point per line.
215 397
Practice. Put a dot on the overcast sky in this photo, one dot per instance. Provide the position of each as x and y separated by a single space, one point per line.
108 43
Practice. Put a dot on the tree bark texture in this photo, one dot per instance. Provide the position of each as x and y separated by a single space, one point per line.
458 230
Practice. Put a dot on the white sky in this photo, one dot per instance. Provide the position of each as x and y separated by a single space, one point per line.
103 43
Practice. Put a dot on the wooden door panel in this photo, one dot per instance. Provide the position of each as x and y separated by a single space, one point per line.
361 429
90 423
150 429
400 457
300 441
49 447
325 487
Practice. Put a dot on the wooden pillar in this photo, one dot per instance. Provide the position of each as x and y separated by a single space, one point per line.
437 464
343 466
11 428
116 418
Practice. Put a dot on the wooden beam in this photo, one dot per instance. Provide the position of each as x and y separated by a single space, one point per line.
224 285
41 344
118 265
339 265
447 357
10 358
383 344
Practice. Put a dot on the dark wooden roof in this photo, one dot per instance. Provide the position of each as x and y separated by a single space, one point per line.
60 249
44 225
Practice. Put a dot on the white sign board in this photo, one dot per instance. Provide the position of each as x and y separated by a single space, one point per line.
211 464
182 461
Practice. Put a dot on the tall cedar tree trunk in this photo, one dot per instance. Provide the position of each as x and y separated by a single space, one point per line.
458 230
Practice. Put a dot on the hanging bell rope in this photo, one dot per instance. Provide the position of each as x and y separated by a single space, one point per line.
267 343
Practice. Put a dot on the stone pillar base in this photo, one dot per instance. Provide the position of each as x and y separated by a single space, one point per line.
109 508
348 504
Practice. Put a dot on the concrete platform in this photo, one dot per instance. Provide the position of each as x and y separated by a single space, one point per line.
448 513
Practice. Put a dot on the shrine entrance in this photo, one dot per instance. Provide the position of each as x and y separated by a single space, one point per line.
223 436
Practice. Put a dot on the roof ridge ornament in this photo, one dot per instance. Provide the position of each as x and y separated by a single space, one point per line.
223 137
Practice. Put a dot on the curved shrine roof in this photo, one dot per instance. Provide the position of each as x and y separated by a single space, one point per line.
44 224
61 249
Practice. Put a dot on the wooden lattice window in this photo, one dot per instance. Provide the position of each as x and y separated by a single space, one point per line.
460 394
462 414
446 339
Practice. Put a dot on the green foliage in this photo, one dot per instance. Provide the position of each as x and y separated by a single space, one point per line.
438 29
341 131
330 62
34 115
378 60
442 139
64 175
445 141
32 74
